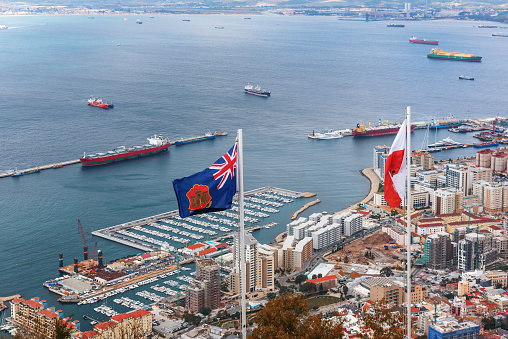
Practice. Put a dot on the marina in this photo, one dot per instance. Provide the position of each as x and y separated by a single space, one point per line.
169 231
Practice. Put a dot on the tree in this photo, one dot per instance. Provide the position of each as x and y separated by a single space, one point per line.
61 330
308 287
489 323
320 275
314 276
300 279
321 287
386 272
498 285
191 318
271 296
287 317
205 311
346 260
384 322
345 289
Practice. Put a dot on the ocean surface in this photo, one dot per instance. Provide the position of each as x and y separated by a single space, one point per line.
184 78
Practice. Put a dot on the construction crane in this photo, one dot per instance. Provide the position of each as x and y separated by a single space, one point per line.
85 251
340 256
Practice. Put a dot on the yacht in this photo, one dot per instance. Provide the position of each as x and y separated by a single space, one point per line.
445 142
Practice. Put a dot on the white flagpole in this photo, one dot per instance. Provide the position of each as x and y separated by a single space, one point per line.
243 273
408 211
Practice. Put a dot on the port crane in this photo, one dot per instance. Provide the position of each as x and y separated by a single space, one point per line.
85 251
340 256
494 125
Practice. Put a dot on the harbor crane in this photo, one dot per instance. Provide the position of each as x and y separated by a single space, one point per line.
85 251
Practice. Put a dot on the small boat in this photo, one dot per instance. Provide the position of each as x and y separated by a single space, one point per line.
16 173
186 20
91 17
152 17
3 27
395 25
247 18
125 19
99 103
220 133
465 77
500 34
57 166
219 27
139 22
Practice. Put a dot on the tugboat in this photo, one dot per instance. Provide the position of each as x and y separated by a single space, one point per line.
249 89
99 103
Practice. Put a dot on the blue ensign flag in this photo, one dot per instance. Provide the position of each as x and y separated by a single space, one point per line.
209 190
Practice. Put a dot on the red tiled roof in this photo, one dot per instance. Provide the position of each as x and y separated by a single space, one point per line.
449 215
105 325
139 313
209 250
119 317
18 300
424 221
414 234
223 245
468 303
415 310
145 255
48 314
431 225
364 213
87 334
194 246
495 228
32 303
318 280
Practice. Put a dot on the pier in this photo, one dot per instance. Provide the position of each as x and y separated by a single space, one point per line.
4 299
307 205
40 168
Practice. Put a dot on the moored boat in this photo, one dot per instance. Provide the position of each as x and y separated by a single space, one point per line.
465 77
156 144
394 25
438 53
415 40
485 144
99 103
256 91
328 135
220 133
447 123
207 136
382 128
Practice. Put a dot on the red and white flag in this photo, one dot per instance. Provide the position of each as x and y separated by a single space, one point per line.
395 169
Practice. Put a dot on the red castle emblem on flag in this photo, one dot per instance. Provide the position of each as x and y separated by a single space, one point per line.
199 197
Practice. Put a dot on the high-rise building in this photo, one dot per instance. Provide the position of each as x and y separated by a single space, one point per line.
457 176
446 201
353 224
440 251
380 156
476 251
205 290
251 257
424 159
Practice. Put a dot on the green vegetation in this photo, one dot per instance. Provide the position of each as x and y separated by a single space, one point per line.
322 301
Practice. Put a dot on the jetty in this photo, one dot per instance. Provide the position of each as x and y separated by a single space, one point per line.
307 205
40 168
4 299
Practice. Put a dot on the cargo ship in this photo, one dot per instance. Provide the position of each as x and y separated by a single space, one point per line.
395 25
99 103
415 40
379 129
438 53
256 91
207 136
485 144
156 144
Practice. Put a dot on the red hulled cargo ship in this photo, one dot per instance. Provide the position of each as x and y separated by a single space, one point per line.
415 40
156 144
99 103
382 128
